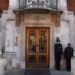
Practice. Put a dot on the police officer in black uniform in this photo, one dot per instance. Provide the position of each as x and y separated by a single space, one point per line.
68 54
58 53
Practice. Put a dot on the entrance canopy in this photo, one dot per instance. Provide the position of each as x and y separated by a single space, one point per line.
4 4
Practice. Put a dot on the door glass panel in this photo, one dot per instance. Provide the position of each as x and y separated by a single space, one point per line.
31 59
32 42
43 42
42 59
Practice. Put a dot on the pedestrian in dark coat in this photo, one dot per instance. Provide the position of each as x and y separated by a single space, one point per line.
58 53
68 54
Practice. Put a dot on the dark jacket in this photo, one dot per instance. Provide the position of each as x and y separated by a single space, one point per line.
58 50
68 53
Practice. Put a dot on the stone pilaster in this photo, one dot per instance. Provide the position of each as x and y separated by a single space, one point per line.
0 37
71 28
0 32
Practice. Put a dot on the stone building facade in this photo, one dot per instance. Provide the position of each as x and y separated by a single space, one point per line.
15 49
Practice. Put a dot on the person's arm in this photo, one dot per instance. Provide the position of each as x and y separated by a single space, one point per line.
72 51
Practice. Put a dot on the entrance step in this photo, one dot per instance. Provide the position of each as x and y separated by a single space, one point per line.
36 72
60 73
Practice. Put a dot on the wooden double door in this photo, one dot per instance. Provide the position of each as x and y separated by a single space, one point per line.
37 47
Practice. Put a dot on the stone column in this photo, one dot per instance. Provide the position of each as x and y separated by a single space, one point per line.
19 50
13 4
62 5
3 29
73 59
0 33
71 28
72 38
74 31
0 36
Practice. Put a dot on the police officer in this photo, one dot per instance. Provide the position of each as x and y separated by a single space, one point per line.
68 54
58 53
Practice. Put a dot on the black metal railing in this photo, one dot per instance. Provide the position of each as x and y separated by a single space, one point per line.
52 4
